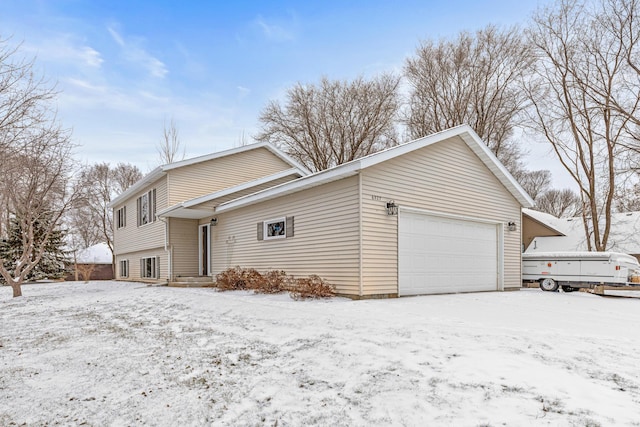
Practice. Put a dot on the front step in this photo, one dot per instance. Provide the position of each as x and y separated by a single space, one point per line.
192 282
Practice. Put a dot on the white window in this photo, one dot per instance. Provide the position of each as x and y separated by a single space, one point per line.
121 217
275 229
124 268
150 267
147 207
279 228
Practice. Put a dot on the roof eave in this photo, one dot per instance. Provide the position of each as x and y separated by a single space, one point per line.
319 178
149 178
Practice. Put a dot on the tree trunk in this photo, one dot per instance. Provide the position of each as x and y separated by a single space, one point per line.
17 289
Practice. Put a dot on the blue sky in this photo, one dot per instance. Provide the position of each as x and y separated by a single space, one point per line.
125 67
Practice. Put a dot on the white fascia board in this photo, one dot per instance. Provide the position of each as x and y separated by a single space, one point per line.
407 147
180 211
288 159
170 209
149 178
504 176
319 178
212 156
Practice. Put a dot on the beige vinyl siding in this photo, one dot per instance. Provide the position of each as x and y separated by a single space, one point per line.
134 264
196 180
184 246
325 241
133 238
212 204
446 177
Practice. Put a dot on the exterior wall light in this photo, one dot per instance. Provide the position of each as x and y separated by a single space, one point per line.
214 222
511 226
392 208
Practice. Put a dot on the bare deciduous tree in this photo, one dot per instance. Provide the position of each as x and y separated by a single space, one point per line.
474 79
91 219
35 167
580 78
535 183
170 148
124 176
334 122
560 203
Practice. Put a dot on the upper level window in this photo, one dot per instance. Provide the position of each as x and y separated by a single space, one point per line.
121 217
147 207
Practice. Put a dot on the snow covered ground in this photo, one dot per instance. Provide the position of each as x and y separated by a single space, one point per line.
113 353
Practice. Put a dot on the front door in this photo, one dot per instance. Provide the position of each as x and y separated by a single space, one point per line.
204 242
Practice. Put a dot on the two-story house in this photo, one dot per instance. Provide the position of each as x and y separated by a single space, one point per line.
439 214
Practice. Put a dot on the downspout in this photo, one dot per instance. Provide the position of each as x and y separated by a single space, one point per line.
167 248
360 273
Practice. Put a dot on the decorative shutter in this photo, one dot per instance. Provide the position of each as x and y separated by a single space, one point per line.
289 227
142 270
157 263
152 201
261 231
124 216
139 210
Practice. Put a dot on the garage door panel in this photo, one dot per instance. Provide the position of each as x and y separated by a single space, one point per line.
444 255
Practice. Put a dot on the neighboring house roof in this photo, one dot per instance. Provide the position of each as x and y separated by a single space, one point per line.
161 171
547 220
624 235
96 254
465 132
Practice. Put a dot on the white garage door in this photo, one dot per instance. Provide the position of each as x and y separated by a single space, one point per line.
442 255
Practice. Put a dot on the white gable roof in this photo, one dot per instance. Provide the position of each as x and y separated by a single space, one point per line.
161 171
624 236
345 170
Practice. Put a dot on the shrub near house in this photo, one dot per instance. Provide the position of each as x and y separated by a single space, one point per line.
273 282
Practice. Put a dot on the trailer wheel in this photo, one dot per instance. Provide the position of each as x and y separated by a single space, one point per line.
569 289
548 284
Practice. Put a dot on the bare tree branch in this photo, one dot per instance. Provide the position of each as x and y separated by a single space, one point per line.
474 79
170 148
334 122
583 100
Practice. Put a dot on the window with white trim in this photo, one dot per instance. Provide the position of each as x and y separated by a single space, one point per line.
121 217
150 267
279 228
275 229
124 268
146 207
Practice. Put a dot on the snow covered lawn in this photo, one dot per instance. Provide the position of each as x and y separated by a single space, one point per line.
113 353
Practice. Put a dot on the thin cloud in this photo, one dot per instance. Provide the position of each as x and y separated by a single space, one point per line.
243 92
274 32
136 55
64 49
116 37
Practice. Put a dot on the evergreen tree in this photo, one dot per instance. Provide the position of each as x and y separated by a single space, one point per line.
54 261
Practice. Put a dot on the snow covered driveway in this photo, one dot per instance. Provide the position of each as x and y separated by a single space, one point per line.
112 353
